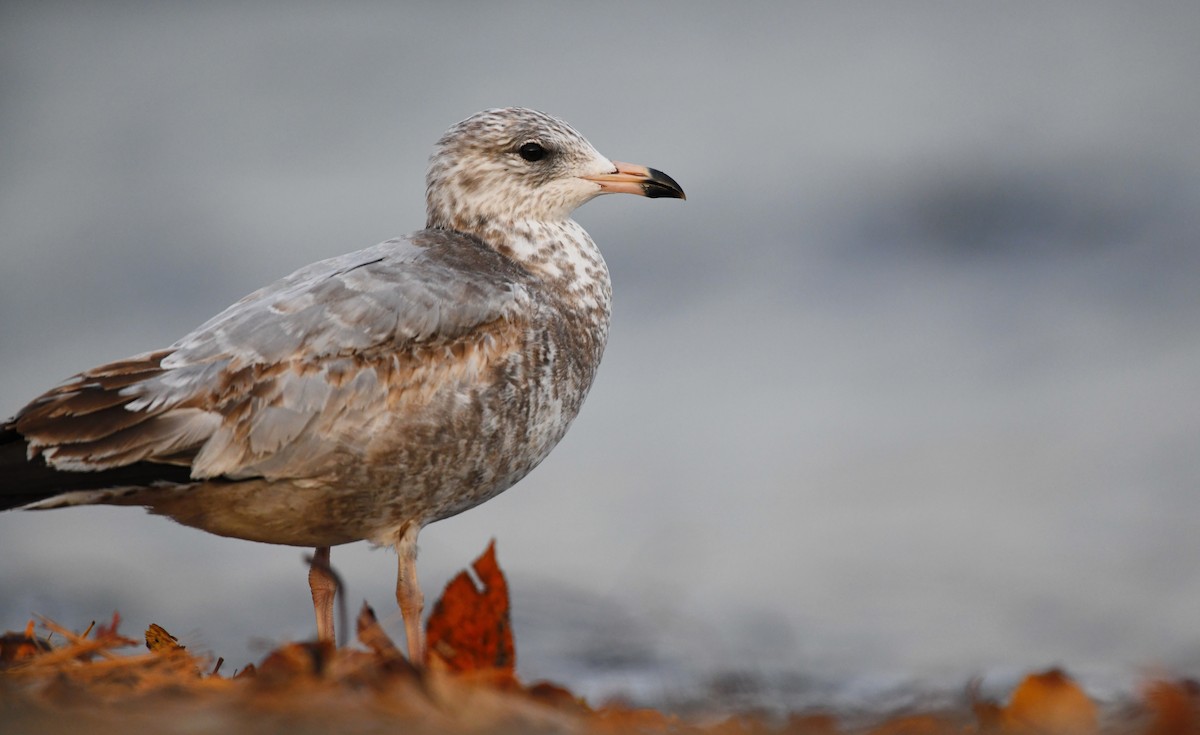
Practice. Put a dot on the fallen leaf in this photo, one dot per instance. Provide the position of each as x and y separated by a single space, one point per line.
470 629
916 725
158 639
372 635
621 720
1050 702
296 660
1174 707
811 724
18 646
556 695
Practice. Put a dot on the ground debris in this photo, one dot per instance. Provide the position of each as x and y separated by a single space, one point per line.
67 682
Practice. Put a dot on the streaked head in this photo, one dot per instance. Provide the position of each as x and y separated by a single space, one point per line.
515 164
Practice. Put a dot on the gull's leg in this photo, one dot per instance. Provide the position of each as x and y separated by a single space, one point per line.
408 592
324 587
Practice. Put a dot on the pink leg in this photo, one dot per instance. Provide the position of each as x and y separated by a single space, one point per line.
408 592
324 587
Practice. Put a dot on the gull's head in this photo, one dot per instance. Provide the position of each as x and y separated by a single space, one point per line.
514 164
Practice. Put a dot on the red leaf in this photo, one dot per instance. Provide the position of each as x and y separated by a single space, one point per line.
470 629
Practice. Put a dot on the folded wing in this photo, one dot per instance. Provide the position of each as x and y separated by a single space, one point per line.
283 381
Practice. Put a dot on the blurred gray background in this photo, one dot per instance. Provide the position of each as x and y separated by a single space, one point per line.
907 391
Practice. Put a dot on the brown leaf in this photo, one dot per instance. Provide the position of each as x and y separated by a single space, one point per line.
556 695
1174 708
372 635
739 725
621 720
296 660
18 646
469 629
922 724
249 671
158 639
811 724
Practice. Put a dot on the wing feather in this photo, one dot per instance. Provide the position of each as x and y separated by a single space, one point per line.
291 374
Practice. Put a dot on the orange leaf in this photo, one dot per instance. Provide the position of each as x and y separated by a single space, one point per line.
1050 702
470 628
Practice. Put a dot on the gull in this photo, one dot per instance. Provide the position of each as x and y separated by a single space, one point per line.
364 396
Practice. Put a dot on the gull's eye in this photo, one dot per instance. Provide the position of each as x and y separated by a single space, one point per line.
532 152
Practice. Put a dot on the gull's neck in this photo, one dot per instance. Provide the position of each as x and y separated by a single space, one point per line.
559 251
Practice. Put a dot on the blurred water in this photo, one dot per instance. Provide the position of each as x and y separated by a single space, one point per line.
905 392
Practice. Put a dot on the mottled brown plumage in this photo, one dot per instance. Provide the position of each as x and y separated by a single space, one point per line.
367 395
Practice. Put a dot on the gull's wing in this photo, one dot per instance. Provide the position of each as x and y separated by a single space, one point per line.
283 381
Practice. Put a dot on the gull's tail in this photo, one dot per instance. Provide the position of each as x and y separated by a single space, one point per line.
24 481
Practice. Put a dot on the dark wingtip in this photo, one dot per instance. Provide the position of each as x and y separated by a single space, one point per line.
660 185
24 480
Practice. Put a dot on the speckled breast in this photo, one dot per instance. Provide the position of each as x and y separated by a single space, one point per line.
485 426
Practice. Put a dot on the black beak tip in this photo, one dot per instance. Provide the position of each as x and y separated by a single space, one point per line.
660 185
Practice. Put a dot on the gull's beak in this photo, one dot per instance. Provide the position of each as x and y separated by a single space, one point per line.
630 178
